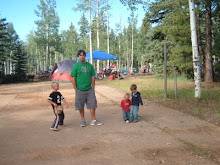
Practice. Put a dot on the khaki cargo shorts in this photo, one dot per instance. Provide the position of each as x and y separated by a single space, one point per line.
85 97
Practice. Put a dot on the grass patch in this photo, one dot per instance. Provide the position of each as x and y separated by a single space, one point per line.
216 109
153 87
198 110
196 149
147 120
218 116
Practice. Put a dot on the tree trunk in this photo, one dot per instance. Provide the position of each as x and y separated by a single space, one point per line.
196 64
90 31
47 50
132 45
199 38
55 57
97 26
208 58
119 48
37 67
107 32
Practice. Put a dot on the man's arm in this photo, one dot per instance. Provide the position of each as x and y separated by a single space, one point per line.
74 83
93 81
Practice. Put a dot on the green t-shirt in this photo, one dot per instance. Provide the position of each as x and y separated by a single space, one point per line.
83 73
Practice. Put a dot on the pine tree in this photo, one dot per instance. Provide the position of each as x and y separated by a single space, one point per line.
13 39
47 29
4 39
88 5
83 27
20 61
70 43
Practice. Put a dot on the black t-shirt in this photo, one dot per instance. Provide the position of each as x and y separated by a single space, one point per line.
56 97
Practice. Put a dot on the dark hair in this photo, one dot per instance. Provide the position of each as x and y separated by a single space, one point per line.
81 51
133 86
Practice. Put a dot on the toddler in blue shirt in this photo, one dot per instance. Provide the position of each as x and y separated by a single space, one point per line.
136 100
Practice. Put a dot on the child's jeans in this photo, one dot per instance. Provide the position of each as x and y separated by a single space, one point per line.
126 115
134 113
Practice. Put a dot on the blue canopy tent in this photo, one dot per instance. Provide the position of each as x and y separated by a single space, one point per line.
99 55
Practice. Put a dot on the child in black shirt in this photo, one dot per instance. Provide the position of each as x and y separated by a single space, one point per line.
55 100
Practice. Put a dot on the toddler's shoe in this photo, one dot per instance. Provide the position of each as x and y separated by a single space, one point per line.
127 121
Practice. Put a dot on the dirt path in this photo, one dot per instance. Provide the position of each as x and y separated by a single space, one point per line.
163 136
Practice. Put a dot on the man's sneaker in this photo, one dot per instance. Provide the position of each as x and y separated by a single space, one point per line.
96 122
127 121
83 123
54 129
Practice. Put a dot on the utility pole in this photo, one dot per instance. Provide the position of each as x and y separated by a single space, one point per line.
196 57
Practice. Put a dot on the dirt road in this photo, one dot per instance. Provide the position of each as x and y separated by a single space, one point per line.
162 136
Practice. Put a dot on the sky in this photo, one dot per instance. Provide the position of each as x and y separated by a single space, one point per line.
21 14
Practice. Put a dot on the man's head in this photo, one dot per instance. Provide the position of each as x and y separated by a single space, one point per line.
82 55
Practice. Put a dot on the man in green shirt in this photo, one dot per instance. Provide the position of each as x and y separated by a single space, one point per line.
83 75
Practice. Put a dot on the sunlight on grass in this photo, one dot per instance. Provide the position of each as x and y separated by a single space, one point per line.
153 88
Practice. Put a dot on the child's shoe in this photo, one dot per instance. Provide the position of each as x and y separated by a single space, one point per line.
127 121
54 129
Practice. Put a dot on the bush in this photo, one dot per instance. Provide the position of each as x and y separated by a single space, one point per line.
13 78
30 77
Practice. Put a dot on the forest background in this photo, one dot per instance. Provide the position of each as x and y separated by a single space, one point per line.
166 22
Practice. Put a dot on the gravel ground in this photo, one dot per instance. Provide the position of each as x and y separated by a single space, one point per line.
162 136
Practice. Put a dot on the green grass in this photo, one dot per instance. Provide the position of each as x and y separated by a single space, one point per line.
197 150
152 88
198 110
218 116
